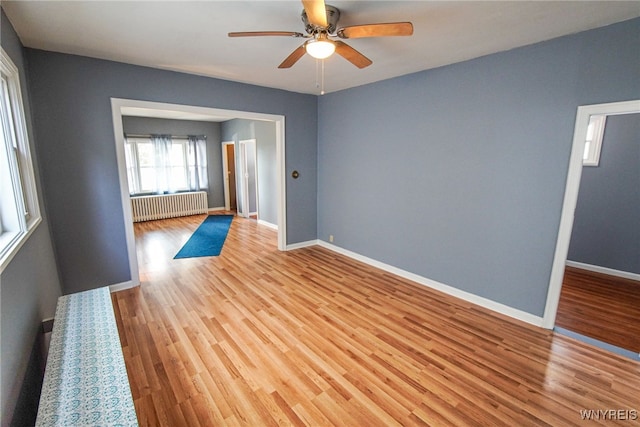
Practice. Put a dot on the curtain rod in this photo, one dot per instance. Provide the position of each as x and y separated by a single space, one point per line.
134 135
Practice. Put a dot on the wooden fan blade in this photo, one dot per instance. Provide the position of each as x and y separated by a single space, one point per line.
316 12
293 58
352 55
376 30
265 33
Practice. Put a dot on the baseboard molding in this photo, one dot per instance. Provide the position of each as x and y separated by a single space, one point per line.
124 285
218 209
301 245
604 270
450 290
268 224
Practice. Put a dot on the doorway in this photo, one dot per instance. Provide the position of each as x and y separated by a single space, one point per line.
600 295
229 171
248 206
583 116
120 107
600 308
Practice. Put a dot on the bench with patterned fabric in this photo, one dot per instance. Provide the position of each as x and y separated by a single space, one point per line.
85 381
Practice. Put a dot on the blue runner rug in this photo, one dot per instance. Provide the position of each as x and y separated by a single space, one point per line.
208 239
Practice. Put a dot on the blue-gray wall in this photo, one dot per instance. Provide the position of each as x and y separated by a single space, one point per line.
264 132
74 129
606 227
29 288
457 174
148 125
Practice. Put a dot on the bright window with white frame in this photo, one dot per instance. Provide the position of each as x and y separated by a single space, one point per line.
19 209
593 142
162 164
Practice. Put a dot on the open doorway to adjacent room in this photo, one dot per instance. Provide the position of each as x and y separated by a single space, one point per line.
229 173
594 291
248 206
239 122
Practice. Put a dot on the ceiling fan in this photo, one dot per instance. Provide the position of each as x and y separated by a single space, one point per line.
320 22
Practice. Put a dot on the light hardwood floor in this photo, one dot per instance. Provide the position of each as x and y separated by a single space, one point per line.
600 306
309 337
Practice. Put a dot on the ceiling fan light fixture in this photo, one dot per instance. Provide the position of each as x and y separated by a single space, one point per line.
321 24
320 48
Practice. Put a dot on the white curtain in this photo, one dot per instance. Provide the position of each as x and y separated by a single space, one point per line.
133 162
197 163
163 167
160 164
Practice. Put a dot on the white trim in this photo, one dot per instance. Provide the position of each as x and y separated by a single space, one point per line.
604 270
245 173
571 197
450 290
118 104
466 296
18 241
22 176
301 245
218 209
267 224
281 182
125 198
124 285
25 160
595 144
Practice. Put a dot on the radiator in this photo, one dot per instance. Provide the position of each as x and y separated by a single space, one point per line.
145 208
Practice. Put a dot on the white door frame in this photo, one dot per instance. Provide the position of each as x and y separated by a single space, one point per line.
120 107
248 144
225 174
571 198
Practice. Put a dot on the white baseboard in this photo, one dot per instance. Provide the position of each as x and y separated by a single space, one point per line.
268 224
124 285
450 290
302 245
604 270
218 209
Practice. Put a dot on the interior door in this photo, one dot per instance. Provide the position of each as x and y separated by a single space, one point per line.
231 175
248 206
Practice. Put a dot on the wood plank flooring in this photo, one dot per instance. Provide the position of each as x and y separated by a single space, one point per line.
311 338
600 306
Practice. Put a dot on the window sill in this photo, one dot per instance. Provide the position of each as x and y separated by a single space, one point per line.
12 242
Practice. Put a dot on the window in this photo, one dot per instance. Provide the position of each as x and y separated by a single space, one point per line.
19 209
593 143
161 164
178 164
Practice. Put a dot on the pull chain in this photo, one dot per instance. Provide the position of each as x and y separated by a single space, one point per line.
320 75
322 84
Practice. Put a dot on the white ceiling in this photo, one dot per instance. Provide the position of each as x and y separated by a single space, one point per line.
191 36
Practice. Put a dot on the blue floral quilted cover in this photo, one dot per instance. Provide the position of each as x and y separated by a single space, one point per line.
85 382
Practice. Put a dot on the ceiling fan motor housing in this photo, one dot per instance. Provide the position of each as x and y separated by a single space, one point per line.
333 15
